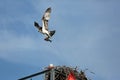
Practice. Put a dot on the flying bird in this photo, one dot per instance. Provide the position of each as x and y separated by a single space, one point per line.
44 28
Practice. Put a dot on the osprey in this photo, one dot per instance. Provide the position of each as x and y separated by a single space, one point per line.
44 28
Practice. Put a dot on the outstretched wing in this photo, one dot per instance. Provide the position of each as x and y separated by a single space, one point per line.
37 26
45 18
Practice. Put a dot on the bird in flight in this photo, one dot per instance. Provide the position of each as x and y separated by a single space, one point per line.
44 28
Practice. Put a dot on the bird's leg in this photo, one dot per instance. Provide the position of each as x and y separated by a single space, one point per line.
47 39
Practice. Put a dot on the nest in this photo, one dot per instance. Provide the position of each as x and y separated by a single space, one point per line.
66 73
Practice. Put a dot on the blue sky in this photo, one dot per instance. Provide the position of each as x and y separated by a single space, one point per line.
87 36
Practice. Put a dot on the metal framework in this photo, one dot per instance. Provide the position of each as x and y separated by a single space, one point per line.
58 73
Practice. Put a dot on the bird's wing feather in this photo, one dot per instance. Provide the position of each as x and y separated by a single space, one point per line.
47 14
45 18
37 26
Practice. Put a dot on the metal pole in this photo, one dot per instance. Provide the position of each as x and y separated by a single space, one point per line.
30 76
52 74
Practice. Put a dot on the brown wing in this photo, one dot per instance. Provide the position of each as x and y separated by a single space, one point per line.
45 18
37 26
